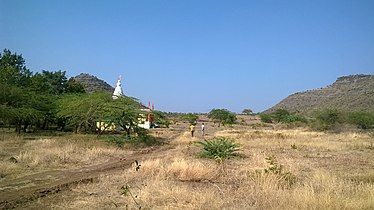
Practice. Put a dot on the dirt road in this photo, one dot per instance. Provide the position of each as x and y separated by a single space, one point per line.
22 190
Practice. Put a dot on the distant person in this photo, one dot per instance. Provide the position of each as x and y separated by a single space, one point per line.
202 129
192 129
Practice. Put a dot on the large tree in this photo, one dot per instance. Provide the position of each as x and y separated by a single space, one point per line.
222 116
13 70
83 111
191 118
247 111
23 108
124 112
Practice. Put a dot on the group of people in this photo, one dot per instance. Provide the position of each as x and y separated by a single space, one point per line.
192 129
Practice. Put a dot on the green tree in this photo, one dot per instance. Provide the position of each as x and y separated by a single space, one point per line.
28 100
74 87
124 112
23 108
82 111
190 118
222 116
160 118
247 111
13 70
363 120
266 118
49 82
280 115
327 119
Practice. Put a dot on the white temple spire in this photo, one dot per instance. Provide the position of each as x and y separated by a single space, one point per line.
118 90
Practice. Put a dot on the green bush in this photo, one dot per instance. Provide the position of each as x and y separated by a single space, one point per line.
119 141
363 120
327 119
161 119
219 147
294 118
282 116
140 139
190 118
266 118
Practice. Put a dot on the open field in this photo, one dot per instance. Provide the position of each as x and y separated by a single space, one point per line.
324 170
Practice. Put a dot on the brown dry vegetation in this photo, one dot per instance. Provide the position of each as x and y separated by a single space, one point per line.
329 171
20 155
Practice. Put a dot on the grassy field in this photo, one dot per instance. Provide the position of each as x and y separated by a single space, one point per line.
318 170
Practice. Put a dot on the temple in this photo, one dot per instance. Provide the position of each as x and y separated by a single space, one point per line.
118 90
145 121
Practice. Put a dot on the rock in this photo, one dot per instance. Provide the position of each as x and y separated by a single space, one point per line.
13 160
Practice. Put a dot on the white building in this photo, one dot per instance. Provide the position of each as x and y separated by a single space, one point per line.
146 120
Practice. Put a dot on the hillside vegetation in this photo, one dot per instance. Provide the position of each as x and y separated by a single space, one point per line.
348 93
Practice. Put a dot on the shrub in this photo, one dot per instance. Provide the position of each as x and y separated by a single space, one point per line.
266 118
282 116
141 139
161 119
119 141
294 118
278 169
219 147
363 120
327 119
191 118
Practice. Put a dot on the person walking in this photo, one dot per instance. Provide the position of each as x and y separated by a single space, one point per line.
202 129
192 129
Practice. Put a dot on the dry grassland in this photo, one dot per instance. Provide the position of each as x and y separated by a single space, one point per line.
21 155
329 171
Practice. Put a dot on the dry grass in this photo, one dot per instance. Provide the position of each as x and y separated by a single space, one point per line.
69 151
331 171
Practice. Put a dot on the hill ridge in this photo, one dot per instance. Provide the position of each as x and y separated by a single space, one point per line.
92 83
348 93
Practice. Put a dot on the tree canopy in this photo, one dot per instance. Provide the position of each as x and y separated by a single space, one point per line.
190 118
247 111
222 116
28 100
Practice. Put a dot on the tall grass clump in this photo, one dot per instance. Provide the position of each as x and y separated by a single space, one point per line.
219 148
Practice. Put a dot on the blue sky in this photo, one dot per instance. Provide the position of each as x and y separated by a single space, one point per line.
195 55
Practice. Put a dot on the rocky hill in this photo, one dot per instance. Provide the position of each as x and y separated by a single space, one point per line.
93 84
348 93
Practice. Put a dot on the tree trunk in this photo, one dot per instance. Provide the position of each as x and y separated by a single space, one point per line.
18 127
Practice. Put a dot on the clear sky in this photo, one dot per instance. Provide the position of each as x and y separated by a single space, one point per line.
195 55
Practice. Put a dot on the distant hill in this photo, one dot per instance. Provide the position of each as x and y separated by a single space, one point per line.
93 84
348 93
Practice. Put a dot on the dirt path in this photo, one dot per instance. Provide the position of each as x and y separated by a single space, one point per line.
20 191
24 190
